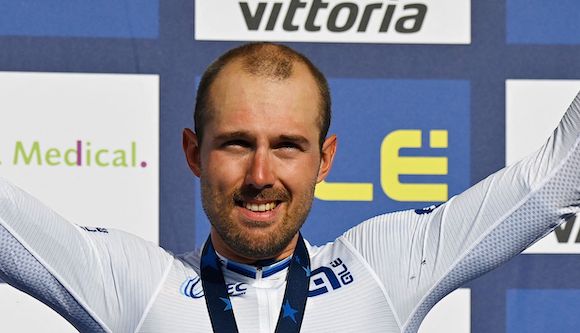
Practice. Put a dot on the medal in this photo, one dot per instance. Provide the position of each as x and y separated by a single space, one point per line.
219 304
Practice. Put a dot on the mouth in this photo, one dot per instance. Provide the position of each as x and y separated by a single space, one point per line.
258 207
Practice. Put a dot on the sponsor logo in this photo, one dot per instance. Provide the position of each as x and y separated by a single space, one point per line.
564 234
192 287
97 229
564 239
339 17
392 21
325 279
237 289
393 166
81 154
426 210
322 280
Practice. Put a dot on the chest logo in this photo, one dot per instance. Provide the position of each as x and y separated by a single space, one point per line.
192 287
325 279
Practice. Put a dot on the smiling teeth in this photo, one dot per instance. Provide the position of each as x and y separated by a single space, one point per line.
260 207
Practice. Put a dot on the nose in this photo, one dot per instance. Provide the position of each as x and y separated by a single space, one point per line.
260 173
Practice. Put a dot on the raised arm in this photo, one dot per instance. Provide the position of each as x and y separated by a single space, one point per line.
95 278
420 256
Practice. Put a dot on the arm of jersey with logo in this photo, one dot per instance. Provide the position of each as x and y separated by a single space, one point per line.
100 280
420 256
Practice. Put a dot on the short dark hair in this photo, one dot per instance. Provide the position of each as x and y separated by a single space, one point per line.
262 59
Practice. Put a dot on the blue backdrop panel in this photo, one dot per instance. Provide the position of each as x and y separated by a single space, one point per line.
543 21
524 305
80 18
489 300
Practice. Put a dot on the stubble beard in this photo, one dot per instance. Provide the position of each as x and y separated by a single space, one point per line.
256 245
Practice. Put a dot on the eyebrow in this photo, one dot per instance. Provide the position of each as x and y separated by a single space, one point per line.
232 135
299 139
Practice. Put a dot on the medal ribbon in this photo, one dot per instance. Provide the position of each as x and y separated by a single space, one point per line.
219 304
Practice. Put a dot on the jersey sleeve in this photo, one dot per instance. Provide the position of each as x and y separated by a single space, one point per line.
420 256
100 280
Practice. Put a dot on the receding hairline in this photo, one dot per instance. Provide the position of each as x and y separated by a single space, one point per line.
271 61
298 71
265 60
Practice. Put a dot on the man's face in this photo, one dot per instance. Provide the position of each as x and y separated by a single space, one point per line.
259 160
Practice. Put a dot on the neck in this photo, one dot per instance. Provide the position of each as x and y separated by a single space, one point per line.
225 250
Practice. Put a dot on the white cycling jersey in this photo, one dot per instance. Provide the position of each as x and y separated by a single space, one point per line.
383 275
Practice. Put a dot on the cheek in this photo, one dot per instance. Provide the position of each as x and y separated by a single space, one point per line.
221 173
299 174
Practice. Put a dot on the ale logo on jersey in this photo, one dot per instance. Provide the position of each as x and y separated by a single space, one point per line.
363 21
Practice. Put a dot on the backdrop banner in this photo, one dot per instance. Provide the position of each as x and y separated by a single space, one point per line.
94 97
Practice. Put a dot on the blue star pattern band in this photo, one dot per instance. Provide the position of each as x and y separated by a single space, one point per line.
210 259
298 281
228 304
289 311
219 304
216 293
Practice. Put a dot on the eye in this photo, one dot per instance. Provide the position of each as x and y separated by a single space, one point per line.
289 145
236 143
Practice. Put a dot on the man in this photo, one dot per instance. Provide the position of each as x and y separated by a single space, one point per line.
259 148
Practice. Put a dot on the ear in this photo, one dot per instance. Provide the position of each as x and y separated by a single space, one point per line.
191 149
327 157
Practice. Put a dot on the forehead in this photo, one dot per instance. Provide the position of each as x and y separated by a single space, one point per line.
241 100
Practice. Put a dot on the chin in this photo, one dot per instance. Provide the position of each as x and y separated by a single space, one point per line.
259 244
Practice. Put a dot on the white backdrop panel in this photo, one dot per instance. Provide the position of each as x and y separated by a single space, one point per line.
533 110
87 145
363 21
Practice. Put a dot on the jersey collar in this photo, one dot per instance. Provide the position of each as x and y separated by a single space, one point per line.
252 271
